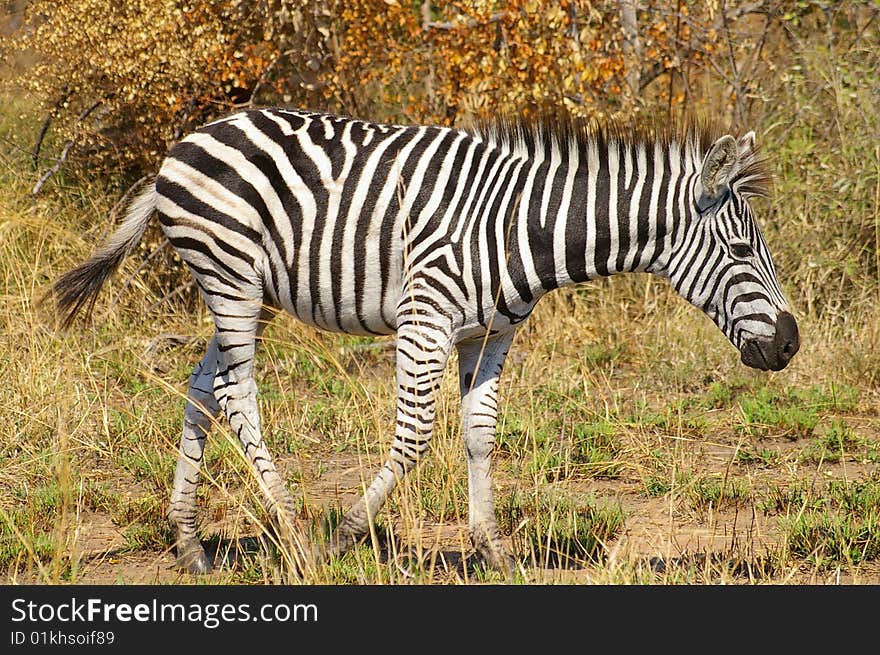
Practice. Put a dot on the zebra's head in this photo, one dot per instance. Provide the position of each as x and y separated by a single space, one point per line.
722 264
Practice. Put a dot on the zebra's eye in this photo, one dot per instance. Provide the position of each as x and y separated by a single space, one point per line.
741 250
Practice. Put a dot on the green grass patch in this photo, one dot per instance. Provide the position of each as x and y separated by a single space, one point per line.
838 524
792 413
29 528
764 457
705 493
838 440
558 530
441 494
558 436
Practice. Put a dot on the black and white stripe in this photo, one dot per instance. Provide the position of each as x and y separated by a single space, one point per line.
446 237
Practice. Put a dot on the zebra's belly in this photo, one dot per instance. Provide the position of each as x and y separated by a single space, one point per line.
365 308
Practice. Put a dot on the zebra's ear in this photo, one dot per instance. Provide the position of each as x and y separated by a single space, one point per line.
745 145
718 167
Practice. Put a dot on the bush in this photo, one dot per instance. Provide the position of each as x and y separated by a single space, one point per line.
121 80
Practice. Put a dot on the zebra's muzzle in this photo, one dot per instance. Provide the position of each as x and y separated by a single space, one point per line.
773 353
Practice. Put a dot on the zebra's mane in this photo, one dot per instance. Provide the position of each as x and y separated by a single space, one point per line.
694 136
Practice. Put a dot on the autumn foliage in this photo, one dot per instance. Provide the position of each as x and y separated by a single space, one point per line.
119 81
482 58
122 79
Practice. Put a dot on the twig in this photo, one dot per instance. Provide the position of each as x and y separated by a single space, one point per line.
865 27
35 154
264 76
454 25
751 65
64 151
737 82
174 292
675 41
55 168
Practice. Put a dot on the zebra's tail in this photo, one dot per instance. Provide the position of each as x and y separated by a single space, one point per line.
79 287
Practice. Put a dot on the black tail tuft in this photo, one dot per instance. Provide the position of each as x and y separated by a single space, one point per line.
78 289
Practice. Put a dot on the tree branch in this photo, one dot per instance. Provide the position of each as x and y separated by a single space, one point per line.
651 74
55 168
258 86
35 154
454 25
65 151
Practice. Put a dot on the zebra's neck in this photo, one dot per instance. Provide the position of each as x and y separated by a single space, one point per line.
597 208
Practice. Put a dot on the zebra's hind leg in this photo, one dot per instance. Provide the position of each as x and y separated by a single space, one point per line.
238 327
422 352
479 364
201 409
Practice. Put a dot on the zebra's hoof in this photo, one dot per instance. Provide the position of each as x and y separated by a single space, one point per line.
339 543
500 562
495 556
193 560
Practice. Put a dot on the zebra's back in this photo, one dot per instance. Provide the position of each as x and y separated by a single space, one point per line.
315 212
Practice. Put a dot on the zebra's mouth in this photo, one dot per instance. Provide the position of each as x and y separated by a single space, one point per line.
773 353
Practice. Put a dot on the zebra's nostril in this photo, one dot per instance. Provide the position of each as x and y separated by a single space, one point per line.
787 337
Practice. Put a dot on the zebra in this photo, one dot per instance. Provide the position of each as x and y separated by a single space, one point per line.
446 237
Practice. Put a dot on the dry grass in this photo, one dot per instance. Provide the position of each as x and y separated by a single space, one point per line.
633 447
625 368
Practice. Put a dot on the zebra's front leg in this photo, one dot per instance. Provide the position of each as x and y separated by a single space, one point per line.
201 409
236 393
422 352
479 364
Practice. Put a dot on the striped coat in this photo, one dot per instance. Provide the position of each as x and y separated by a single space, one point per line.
446 238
